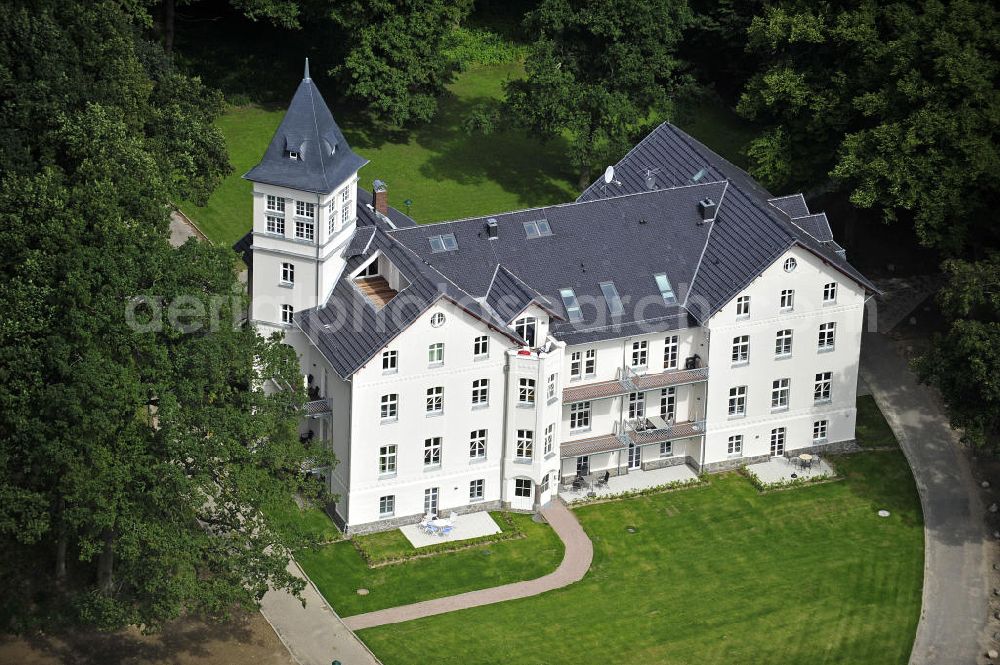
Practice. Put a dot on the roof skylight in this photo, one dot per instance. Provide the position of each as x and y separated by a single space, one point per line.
611 296
537 228
443 243
572 305
666 290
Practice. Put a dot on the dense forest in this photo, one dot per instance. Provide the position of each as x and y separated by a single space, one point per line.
132 474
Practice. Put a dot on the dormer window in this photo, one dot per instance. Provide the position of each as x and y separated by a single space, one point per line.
292 154
537 228
443 243
666 290
611 296
527 328
572 304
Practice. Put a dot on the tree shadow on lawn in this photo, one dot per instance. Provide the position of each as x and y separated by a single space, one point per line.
537 172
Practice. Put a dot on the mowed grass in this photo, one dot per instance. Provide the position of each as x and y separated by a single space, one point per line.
446 172
872 430
720 574
339 571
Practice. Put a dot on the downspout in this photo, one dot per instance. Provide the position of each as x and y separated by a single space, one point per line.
621 402
317 218
704 434
503 438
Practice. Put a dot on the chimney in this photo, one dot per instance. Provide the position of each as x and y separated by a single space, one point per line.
381 197
492 229
707 208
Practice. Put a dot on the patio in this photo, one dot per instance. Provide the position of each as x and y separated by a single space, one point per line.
632 481
781 470
469 525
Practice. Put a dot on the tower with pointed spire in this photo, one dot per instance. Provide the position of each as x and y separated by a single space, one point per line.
304 210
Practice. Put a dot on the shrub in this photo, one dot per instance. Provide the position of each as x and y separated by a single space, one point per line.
472 46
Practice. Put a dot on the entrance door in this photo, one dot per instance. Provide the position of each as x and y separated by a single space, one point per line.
778 442
523 498
634 457
431 501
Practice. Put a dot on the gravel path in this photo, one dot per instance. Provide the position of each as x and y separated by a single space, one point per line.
576 561
955 601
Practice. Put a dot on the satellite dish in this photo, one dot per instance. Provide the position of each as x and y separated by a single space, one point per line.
609 175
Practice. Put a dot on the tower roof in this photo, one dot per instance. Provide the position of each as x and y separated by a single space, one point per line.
322 158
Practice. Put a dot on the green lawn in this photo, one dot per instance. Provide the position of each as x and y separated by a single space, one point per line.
292 521
447 173
339 571
720 574
871 430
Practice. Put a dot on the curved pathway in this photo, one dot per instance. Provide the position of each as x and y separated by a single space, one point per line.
575 563
955 602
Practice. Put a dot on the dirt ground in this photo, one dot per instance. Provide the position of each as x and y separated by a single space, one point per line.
248 640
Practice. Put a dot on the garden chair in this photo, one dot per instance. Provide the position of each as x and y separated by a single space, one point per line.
603 480
578 483
446 531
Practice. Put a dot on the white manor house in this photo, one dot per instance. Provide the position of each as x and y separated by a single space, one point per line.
675 314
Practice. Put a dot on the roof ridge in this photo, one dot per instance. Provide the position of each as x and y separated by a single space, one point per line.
704 248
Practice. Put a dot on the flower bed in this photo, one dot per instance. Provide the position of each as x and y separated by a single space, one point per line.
629 494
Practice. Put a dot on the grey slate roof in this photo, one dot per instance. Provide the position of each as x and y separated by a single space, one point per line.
508 296
818 226
308 128
624 239
793 205
749 233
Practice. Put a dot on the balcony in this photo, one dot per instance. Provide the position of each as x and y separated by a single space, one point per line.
317 408
630 382
639 432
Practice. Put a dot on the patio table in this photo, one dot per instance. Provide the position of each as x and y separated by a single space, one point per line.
440 523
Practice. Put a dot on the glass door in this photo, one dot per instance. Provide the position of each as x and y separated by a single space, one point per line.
431 501
634 457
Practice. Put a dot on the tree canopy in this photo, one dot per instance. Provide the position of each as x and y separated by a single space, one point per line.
596 71
136 449
897 101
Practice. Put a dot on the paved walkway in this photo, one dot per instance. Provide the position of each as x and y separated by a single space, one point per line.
956 576
313 634
181 229
576 561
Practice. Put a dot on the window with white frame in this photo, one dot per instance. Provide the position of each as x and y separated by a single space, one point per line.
370 270
345 195
345 210
388 408
387 506
741 349
276 225
819 431
734 446
783 343
743 307
435 353
431 500
481 346
331 222
287 273
543 486
525 445
437 319
522 488
575 365
790 264
480 392
668 404
526 392
738 401
583 465
432 451
666 448
777 441
829 293
477 489
670 352
435 399
640 352
667 291
787 299
389 361
305 230
387 459
275 203
579 416
779 393
549 439
304 209
286 314
477 444
527 328
637 405
827 333
823 388
551 386
590 362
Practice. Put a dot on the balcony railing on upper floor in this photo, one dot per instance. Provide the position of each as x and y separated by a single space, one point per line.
629 381
317 407
639 432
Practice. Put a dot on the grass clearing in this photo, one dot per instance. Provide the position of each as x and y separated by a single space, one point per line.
717 574
872 430
339 571
292 521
